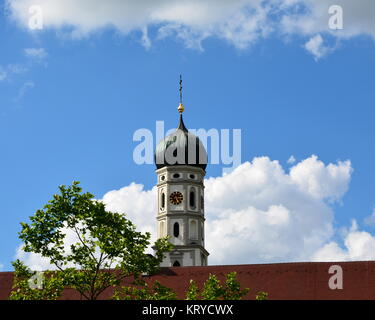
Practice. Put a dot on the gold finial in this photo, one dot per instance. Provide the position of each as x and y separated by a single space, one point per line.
181 107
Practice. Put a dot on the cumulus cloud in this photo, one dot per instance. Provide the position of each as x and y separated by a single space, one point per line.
358 246
138 204
261 213
35 262
190 20
357 17
258 212
322 181
240 22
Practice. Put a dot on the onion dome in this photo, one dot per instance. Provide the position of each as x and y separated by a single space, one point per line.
181 148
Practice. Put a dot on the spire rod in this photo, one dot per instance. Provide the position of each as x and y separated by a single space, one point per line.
180 88
181 107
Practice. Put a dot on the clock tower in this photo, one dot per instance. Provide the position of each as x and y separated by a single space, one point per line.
181 161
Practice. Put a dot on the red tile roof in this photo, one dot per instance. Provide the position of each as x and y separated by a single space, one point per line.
305 280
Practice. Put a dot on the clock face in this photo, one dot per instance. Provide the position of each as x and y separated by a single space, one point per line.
176 198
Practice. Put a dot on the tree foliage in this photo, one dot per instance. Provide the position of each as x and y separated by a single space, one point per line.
192 292
93 249
141 290
213 289
102 248
31 285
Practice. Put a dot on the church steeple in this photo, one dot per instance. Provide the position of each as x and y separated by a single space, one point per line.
181 196
181 147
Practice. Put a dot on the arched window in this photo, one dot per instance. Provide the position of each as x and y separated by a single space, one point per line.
193 230
176 264
163 200
176 229
192 198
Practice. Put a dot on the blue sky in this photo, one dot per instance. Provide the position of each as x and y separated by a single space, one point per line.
70 113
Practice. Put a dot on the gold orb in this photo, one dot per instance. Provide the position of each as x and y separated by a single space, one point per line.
181 108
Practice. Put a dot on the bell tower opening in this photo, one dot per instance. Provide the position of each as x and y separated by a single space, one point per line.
192 198
176 230
176 264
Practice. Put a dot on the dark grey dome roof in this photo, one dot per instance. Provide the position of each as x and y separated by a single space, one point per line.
181 148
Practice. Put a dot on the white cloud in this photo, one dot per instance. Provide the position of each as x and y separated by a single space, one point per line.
240 22
240 204
36 53
329 253
1 267
258 212
357 18
189 20
321 181
358 246
316 47
138 204
34 261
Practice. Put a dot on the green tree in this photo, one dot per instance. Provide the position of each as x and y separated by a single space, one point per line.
106 247
232 288
31 285
141 290
213 289
192 292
